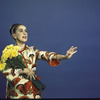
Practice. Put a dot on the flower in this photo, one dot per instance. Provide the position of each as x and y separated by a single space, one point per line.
7 47
16 47
2 65
14 53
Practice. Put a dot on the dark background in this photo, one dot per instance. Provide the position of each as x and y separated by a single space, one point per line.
56 25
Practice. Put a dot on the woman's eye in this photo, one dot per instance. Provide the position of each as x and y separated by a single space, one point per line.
20 30
25 30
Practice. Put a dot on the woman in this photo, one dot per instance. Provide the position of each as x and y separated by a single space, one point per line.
19 87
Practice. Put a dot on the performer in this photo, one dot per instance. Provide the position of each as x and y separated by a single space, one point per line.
19 87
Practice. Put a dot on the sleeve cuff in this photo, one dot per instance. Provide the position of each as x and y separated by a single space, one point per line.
53 62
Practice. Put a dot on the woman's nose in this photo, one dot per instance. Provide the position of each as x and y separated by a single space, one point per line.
25 32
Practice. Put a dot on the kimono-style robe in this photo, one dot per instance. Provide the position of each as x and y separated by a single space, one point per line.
17 86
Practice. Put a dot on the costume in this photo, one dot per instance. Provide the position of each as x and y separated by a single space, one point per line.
18 86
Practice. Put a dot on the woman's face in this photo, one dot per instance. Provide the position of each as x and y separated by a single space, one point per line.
21 34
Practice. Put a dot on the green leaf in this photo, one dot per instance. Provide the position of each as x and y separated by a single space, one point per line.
15 62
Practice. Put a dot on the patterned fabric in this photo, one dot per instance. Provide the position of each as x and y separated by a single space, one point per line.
17 86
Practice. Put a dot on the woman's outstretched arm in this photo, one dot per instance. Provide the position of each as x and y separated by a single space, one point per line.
68 55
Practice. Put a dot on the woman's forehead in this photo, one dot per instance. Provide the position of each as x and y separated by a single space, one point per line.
21 27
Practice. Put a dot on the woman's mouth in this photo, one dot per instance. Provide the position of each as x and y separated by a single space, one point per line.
24 37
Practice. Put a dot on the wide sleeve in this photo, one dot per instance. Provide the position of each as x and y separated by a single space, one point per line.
47 56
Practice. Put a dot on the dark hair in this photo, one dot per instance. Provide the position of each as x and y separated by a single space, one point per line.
13 28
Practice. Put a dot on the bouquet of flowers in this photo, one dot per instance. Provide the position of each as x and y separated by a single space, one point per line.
9 54
11 59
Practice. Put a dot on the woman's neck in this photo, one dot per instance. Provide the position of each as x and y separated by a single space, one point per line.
21 45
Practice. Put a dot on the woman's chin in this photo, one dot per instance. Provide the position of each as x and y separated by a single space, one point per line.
24 40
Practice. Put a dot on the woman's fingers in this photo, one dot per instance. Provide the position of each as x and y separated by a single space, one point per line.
30 77
72 48
75 51
27 76
30 74
33 76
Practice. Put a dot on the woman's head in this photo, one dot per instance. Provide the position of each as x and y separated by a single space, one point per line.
19 33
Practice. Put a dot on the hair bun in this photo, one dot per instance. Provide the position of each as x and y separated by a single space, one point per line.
13 27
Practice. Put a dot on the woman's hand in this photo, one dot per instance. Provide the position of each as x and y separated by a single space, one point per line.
30 74
70 52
